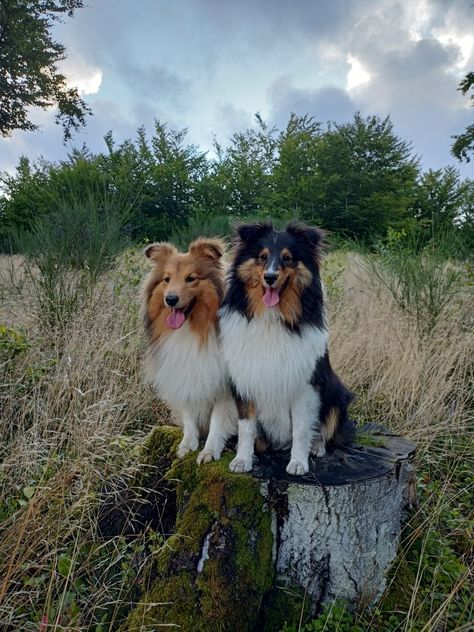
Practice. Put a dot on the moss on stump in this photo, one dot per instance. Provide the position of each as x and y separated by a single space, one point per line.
214 571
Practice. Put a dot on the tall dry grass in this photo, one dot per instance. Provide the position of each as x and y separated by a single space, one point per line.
74 408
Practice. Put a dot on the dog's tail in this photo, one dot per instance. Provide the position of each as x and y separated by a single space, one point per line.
338 428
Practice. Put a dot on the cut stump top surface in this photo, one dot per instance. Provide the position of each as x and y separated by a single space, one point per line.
352 465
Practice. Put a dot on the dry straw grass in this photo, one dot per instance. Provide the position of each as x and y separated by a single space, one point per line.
74 407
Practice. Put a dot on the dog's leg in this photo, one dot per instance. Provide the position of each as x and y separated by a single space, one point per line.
247 425
243 461
304 411
223 425
190 440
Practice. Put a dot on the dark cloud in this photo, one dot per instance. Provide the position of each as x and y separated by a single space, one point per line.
210 65
324 104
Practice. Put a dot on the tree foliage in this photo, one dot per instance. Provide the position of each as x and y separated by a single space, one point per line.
29 58
464 143
356 180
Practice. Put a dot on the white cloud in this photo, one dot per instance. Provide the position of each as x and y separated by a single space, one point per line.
85 77
464 42
357 75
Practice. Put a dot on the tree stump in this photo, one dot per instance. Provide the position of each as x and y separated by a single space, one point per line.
244 543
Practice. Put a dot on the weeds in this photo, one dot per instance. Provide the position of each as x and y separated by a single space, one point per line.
69 249
75 409
421 281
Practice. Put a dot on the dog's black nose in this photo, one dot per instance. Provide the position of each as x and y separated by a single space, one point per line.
270 277
172 299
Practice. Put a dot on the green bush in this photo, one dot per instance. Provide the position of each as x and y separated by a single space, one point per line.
68 249
201 224
419 278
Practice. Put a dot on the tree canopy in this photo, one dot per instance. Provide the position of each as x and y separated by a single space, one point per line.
29 58
356 179
464 143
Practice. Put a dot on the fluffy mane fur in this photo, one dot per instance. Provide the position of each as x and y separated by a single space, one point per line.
180 301
274 339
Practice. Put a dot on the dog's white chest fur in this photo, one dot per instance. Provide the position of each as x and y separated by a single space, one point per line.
270 365
186 373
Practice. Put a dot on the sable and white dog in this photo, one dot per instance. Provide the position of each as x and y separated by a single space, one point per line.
274 339
181 298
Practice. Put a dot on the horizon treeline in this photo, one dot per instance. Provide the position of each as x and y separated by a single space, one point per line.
356 180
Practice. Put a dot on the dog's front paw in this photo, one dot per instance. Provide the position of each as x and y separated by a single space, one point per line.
184 448
206 456
297 468
241 465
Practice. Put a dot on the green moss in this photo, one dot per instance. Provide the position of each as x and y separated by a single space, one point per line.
364 438
227 512
162 442
283 605
401 584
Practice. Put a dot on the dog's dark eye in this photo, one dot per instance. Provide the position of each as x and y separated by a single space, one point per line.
166 279
190 278
263 257
286 258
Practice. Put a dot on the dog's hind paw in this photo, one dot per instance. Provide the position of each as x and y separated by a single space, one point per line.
241 465
206 456
184 448
318 449
297 468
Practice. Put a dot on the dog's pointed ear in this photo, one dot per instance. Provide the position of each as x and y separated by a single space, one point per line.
159 252
312 236
250 232
212 247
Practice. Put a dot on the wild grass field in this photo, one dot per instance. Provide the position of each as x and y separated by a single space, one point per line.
75 409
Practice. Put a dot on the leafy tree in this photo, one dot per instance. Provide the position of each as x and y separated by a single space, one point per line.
29 57
172 171
366 177
464 220
438 197
241 177
464 143
296 175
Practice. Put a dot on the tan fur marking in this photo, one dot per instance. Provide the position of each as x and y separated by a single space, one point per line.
251 274
296 279
331 423
213 247
261 445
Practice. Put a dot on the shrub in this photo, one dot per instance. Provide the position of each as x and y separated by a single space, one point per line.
201 224
68 249
420 279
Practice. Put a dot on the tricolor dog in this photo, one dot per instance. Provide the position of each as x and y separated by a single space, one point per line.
274 339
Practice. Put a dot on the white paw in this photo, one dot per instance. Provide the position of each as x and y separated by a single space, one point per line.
206 456
184 448
241 465
297 468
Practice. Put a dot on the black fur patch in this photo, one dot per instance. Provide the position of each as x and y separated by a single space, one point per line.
334 395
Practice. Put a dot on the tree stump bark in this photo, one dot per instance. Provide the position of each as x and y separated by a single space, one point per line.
337 529
241 539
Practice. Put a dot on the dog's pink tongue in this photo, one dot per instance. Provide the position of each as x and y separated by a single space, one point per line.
271 297
176 318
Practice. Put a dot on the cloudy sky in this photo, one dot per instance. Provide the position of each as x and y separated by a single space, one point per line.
210 65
